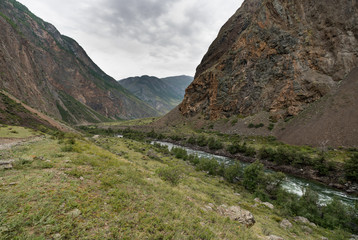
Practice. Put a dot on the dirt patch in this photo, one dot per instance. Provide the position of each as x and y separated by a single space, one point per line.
7 143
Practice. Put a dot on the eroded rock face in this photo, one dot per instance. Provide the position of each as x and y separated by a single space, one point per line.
52 72
276 56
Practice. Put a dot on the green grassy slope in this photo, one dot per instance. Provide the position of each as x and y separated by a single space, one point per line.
110 188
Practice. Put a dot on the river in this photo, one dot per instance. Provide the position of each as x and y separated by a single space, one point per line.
291 184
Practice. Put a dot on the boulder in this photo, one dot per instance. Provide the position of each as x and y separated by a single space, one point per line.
304 220
285 224
74 213
269 205
236 213
274 237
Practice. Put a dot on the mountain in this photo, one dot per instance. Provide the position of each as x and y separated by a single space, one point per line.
162 94
179 83
52 72
331 121
275 56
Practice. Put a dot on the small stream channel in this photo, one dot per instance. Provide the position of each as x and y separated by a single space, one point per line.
291 184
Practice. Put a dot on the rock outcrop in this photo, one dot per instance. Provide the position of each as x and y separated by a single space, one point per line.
52 73
275 56
237 214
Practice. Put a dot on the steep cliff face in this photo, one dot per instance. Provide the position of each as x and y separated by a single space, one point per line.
276 56
52 73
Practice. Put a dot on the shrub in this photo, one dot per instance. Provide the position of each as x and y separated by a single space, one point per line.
321 166
214 144
267 154
260 125
351 168
231 172
194 159
202 141
272 183
253 175
22 163
152 134
233 122
250 152
180 153
241 148
67 148
192 140
271 127
175 138
209 165
170 174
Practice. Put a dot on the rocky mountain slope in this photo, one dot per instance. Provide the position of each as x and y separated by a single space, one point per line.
162 94
275 56
331 121
52 73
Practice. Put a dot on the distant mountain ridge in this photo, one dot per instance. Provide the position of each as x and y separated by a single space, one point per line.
163 94
52 72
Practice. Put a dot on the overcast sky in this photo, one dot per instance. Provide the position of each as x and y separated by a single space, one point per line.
139 37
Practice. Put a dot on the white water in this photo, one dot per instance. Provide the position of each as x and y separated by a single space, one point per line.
291 184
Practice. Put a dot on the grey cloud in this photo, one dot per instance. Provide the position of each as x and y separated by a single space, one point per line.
135 37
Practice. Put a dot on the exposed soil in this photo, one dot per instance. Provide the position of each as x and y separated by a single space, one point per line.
7 143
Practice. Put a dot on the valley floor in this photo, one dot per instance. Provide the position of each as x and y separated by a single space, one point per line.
111 188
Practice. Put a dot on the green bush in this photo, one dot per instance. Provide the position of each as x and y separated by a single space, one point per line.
209 165
260 125
192 140
202 141
180 153
231 172
170 174
321 166
67 148
241 148
176 138
214 144
271 127
253 175
194 159
351 168
272 182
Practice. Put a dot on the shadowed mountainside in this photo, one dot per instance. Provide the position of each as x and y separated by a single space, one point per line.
52 73
162 94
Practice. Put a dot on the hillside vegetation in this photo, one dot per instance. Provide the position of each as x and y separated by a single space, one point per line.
114 188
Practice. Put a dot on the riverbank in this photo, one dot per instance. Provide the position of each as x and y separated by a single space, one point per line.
305 172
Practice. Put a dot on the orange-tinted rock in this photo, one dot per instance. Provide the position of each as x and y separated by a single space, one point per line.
276 56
